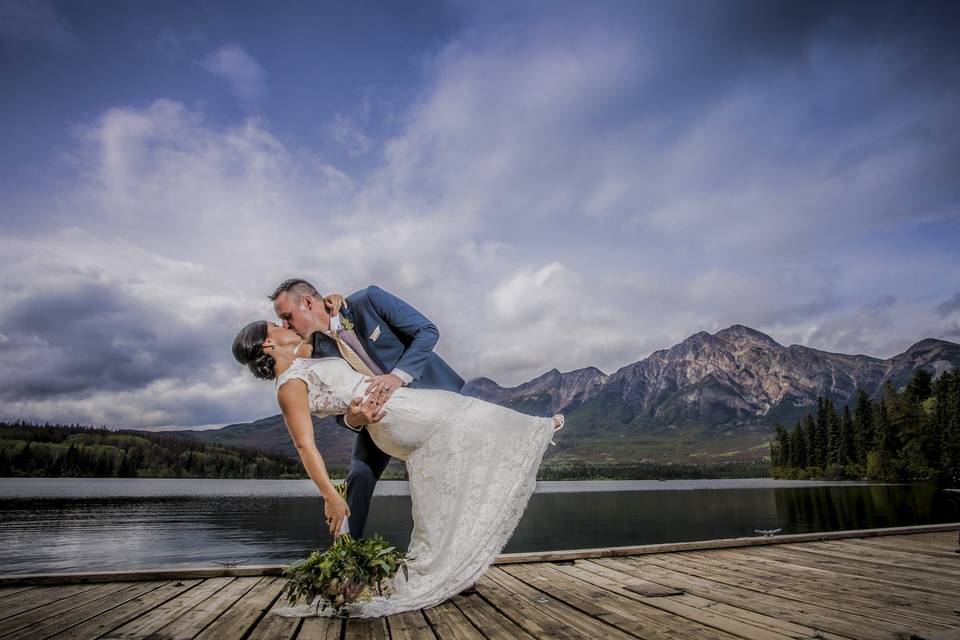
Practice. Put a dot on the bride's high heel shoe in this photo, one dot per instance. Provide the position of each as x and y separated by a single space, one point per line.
558 421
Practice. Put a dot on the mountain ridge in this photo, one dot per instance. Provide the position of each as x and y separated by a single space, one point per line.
710 395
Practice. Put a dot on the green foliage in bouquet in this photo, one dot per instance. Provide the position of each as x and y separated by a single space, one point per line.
349 571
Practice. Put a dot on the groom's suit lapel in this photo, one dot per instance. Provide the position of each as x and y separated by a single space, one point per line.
360 327
324 347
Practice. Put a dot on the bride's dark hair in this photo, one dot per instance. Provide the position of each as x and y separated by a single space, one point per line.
248 350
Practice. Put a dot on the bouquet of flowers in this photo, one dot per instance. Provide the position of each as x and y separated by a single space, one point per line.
349 571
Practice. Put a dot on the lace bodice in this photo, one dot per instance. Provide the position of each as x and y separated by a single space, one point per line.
325 400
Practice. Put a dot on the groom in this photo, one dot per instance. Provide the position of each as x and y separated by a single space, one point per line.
381 336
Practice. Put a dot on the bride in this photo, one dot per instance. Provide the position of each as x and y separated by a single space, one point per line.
472 465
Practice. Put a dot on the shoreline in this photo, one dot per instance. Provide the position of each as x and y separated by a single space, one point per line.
66 488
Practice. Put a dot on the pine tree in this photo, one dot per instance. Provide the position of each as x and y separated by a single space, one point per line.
23 461
834 436
863 426
809 435
780 447
947 421
886 441
821 428
920 386
104 466
797 458
848 446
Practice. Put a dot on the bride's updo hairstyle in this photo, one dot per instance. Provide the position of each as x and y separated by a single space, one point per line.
248 351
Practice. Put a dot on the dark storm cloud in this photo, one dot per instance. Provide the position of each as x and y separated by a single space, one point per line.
950 305
91 338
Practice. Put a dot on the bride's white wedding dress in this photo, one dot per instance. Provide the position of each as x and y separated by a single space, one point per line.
472 467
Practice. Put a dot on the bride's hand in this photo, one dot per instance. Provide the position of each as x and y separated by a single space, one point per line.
333 303
335 509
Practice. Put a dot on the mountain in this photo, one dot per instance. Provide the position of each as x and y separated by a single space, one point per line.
270 434
736 377
712 397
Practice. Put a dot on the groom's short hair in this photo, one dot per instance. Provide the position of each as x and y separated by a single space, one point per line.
295 287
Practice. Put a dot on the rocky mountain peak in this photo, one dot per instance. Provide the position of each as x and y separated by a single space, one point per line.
742 333
928 344
736 376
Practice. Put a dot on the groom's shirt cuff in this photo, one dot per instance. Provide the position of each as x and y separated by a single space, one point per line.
403 375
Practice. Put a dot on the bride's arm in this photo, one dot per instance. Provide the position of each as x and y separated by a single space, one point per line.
292 397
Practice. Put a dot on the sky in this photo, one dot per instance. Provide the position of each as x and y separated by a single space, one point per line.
554 184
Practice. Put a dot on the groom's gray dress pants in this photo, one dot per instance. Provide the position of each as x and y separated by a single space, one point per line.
366 467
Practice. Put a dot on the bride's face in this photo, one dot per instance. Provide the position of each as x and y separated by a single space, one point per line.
279 336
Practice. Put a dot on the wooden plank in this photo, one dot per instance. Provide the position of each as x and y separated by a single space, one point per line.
703 609
944 536
51 626
361 629
491 623
245 612
329 629
759 603
845 563
532 616
574 623
631 616
783 561
929 575
186 573
274 627
606 552
815 584
908 543
56 608
952 634
39 598
848 598
895 557
128 610
448 622
196 619
799 558
5 592
167 612
28 593
409 625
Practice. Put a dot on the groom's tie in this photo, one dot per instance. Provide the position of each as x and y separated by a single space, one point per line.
350 355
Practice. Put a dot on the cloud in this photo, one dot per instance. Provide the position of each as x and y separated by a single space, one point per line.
347 130
949 305
97 327
244 75
562 191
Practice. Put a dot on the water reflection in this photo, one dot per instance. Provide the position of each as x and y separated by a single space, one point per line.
74 534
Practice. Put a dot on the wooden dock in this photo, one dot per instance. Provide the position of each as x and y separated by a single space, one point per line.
901 583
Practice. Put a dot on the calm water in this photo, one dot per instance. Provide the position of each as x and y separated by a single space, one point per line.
110 524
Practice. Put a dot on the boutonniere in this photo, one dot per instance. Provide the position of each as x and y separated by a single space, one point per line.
345 323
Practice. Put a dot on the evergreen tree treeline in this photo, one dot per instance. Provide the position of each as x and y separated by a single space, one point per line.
31 450
907 435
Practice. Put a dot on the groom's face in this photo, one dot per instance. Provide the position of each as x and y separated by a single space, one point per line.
302 314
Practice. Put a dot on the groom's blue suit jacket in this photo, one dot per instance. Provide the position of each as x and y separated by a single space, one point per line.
405 341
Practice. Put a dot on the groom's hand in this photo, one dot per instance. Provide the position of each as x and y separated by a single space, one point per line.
382 387
366 411
333 303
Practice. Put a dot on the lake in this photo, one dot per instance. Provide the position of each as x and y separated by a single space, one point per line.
89 524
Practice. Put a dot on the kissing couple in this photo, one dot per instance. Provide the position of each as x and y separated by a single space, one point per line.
368 359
